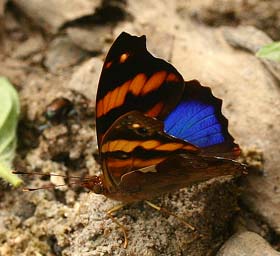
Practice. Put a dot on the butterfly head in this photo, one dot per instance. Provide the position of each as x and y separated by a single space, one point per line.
95 184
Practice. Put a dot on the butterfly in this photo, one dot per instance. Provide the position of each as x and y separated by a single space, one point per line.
156 133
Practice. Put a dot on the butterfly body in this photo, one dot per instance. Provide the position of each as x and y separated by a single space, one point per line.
156 133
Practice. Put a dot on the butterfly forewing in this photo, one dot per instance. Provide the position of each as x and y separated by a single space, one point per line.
132 79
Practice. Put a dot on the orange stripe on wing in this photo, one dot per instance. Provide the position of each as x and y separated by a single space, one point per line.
190 147
137 84
150 144
154 82
172 78
112 145
114 97
106 102
129 145
99 108
117 145
118 163
155 110
123 89
170 146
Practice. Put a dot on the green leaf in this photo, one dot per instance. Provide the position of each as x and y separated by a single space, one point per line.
270 51
9 115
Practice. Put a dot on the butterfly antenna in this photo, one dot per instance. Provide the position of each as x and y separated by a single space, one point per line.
80 182
52 186
49 186
49 175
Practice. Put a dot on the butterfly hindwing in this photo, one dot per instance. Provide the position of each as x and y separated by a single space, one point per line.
132 79
175 172
198 119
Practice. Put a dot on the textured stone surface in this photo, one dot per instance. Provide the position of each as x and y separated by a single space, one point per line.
30 47
261 14
62 53
247 243
85 78
92 38
52 14
251 39
252 100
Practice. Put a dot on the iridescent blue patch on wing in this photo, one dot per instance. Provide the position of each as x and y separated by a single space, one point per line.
195 122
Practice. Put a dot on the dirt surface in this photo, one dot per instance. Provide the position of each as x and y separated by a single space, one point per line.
50 54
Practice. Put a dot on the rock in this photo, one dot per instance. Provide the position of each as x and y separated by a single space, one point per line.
85 78
90 39
31 46
2 7
154 16
264 15
14 71
246 37
245 244
254 158
51 15
2 10
62 53
252 39
157 37
14 30
149 231
251 102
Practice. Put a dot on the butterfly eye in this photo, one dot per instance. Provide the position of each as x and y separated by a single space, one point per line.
97 189
142 131
123 57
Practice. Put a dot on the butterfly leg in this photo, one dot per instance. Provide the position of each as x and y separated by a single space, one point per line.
161 209
110 215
